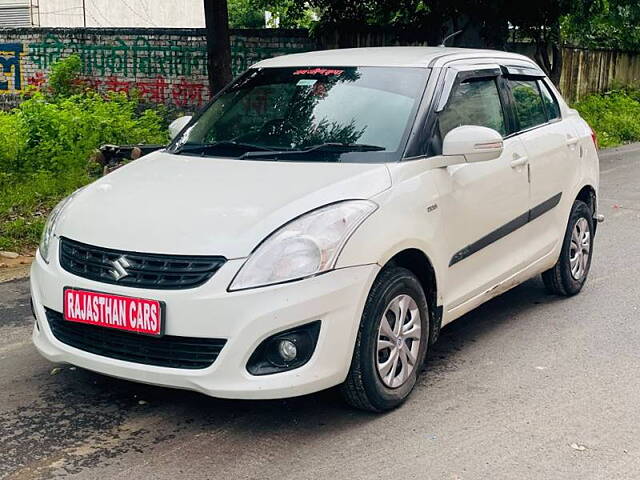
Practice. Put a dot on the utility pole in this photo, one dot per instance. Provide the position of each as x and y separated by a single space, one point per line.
84 13
218 44
35 13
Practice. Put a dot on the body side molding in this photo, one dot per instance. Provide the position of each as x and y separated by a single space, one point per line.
506 229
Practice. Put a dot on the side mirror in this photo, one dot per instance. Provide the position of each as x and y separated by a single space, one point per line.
474 143
177 125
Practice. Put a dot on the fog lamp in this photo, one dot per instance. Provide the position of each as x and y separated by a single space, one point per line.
287 350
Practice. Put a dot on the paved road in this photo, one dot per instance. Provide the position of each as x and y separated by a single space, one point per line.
508 390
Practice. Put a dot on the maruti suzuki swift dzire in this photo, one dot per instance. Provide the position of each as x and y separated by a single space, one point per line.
318 223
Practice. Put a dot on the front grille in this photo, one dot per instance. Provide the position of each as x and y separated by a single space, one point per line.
143 270
166 351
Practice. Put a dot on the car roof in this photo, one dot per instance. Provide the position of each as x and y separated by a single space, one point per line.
386 57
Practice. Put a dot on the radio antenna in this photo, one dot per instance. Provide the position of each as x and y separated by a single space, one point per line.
444 41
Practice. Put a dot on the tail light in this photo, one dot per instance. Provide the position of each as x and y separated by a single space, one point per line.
594 137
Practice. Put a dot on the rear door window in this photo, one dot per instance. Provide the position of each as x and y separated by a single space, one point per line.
550 102
528 102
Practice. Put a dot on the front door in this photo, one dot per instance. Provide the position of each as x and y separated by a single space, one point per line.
484 204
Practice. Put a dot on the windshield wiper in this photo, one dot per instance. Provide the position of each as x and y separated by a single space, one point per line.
331 147
206 147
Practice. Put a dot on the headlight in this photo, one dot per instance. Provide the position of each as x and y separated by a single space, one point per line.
50 226
307 246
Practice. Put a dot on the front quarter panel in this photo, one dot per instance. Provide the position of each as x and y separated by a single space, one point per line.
408 217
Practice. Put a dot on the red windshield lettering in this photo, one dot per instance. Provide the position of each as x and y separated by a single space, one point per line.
318 71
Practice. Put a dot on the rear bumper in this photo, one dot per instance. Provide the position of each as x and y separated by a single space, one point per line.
243 318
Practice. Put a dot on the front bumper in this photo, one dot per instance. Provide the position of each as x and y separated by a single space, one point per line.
243 318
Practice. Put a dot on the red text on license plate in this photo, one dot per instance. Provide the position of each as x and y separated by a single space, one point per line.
113 311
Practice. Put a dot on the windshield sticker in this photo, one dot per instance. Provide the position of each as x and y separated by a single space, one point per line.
327 72
306 82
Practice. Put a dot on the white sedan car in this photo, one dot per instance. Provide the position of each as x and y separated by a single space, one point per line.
318 223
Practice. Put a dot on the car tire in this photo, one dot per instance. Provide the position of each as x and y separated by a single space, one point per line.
377 381
569 274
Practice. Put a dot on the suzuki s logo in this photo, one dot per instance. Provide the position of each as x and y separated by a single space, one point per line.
119 268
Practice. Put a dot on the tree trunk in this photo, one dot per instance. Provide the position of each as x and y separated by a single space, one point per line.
556 69
552 65
218 44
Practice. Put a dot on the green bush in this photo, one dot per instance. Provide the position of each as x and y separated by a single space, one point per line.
62 77
48 141
61 135
13 139
614 116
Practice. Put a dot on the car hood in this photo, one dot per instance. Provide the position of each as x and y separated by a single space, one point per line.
178 204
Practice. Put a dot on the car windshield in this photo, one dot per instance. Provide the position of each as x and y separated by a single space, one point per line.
347 114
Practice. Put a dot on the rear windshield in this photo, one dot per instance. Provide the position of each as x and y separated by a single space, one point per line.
350 114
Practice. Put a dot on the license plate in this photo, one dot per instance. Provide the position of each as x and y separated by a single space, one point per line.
138 315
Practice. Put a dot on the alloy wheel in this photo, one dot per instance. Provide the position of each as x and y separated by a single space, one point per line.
580 249
398 341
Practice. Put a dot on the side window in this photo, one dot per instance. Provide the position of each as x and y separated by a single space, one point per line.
528 103
473 102
550 102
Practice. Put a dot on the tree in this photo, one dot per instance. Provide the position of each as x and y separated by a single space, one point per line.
483 23
607 24
245 14
290 13
218 44
540 22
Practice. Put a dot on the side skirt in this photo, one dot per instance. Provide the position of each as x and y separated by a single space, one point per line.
530 271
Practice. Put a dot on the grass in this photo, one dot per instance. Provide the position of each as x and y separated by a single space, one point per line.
614 115
24 206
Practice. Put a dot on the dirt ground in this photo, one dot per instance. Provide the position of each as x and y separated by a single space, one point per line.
14 268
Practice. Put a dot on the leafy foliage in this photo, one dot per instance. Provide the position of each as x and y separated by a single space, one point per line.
615 116
548 23
606 24
61 135
63 77
289 13
48 141
244 14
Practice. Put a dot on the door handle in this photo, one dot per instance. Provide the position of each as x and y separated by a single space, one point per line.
572 141
519 162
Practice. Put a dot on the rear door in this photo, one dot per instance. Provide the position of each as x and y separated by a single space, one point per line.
554 154
484 204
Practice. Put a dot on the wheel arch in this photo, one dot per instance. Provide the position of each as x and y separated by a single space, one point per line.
417 262
588 195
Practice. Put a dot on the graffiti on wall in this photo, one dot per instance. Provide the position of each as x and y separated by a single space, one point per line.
11 67
159 73
182 94
137 57
167 71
